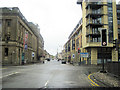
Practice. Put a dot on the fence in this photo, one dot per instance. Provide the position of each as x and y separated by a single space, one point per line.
114 68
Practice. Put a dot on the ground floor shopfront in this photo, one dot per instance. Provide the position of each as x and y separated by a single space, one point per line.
95 55
13 55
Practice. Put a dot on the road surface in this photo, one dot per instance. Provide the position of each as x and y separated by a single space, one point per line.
52 74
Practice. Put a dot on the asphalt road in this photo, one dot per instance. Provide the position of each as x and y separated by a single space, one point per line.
52 74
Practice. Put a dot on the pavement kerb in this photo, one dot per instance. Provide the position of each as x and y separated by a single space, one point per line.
93 83
100 81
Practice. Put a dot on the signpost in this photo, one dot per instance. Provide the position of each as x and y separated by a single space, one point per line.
33 54
85 55
73 55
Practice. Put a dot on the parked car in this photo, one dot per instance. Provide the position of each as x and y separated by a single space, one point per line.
48 59
63 61
59 59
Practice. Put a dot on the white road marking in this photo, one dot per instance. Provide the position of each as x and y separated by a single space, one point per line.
46 83
10 74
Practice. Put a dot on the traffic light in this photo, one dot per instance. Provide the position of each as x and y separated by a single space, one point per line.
115 44
78 50
103 37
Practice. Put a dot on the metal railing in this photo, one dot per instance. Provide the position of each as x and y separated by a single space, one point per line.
114 68
100 11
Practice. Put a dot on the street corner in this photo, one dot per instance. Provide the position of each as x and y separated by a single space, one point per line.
104 79
92 80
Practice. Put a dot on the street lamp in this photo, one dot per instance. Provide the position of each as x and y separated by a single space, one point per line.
12 55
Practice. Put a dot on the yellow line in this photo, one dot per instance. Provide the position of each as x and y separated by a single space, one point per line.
92 80
92 84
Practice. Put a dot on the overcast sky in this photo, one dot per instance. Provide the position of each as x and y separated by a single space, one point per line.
56 18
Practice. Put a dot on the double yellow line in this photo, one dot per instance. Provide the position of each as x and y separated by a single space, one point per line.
93 83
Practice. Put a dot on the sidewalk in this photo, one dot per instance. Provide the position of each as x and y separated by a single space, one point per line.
107 79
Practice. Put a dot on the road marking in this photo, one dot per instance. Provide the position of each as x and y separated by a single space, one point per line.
46 83
92 80
3 68
10 74
92 84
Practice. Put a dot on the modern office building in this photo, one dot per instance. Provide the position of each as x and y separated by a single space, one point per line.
99 16
99 29
19 38
73 44
118 19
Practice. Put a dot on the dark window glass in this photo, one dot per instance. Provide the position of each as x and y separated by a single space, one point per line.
8 21
68 46
106 55
73 44
6 51
110 21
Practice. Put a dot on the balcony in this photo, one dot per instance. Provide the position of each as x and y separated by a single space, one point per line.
94 14
94 25
93 35
94 5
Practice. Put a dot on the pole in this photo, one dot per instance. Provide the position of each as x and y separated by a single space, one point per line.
103 66
118 48
103 63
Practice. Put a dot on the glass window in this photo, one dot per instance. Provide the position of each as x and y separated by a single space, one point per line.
109 18
99 39
109 8
99 61
6 51
8 22
0 23
110 14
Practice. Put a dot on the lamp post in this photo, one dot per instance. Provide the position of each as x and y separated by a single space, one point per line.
12 57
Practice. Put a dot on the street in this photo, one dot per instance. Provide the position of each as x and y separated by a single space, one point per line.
52 74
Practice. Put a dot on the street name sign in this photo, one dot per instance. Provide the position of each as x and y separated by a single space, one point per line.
84 55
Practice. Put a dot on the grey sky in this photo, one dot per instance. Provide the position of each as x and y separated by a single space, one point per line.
56 18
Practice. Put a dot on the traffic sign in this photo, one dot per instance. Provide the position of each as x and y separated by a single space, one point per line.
33 54
73 55
83 54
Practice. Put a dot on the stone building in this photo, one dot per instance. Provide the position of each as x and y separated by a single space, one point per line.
19 39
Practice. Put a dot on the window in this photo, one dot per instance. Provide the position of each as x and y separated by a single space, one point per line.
8 22
68 46
97 20
73 44
94 40
110 9
110 21
77 43
119 55
6 51
107 53
118 30
0 23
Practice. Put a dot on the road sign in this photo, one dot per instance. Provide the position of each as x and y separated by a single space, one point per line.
83 54
33 54
73 55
